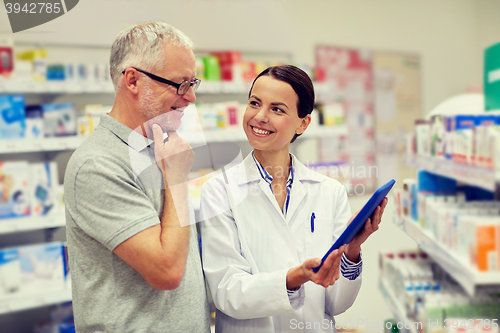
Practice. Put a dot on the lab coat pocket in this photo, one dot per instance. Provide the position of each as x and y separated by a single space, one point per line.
319 237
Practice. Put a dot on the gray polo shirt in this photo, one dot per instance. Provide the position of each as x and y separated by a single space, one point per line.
113 191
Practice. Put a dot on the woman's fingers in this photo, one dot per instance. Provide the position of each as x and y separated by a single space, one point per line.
328 265
329 272
336 268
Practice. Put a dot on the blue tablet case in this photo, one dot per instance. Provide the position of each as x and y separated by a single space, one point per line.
360 219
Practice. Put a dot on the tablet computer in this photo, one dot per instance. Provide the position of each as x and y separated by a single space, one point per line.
359 221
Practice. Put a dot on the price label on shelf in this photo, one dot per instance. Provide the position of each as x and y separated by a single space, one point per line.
13 226
52 221
11 146
38 301
4 307
37 145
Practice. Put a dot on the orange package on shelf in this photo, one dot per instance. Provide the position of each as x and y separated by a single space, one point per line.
484 246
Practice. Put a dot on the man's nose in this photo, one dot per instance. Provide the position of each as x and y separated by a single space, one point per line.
190 95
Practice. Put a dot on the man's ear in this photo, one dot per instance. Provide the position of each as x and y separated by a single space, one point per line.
130 80
304 124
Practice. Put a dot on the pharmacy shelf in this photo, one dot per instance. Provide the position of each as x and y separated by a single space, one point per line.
21 224
395 305
216 87
89 87
92 87
222 135
457 267
55 87
468 174
25 302
237 134
36 145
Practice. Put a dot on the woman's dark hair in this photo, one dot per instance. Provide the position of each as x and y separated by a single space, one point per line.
299 81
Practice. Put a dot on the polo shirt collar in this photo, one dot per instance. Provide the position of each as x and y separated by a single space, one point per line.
133 139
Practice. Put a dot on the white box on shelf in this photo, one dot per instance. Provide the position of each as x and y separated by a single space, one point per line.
39 267
14 189
44 188
59 119
10 272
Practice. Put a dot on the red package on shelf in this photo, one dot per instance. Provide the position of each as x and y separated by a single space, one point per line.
6 60
230 65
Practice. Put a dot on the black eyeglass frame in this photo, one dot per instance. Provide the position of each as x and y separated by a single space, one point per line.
195 84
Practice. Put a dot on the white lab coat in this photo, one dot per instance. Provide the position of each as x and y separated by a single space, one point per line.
248 246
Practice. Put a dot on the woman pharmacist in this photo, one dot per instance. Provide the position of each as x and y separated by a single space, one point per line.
269 218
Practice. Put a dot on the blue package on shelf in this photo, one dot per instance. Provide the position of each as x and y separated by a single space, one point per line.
44 181
414 202
34 122
59 119
449 125
473 193
12 117
64 251
66 328
428 182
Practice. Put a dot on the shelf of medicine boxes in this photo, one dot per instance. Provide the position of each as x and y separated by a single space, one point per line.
394 304
237 134
226 134
35 145
457 267
75 87
25 302
20 224
468 174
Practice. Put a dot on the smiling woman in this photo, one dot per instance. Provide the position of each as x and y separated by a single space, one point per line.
268 219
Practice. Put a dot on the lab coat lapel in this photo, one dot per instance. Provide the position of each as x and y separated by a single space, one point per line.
250 173
266 190
297 195
299 191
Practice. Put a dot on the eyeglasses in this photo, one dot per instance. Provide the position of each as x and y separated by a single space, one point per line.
182 87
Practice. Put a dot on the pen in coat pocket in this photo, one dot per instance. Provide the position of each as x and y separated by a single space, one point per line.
312 221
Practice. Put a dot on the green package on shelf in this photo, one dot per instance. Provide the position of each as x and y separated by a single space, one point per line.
492 77
212 68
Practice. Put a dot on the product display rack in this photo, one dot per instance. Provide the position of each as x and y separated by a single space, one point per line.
219 135
468 277
23 302
395 305
468 174
106 87
40 145
237 134
20 224
54 87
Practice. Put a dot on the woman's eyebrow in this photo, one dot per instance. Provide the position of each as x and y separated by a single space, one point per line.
258 99
279 104
273 104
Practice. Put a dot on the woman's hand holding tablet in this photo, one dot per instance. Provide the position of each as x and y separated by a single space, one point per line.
325 277
369 216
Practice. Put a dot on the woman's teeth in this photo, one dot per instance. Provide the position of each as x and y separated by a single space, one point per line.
259 131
